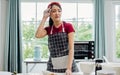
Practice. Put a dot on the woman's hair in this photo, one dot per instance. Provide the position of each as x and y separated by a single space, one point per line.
50 6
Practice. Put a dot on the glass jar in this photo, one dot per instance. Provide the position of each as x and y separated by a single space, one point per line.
37 56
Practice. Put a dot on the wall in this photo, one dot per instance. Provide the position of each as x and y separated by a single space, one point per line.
3 7
0 34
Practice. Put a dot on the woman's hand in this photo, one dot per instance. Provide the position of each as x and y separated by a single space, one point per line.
47 13
68 72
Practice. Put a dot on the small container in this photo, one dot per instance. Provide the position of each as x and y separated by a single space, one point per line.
37 56
98 65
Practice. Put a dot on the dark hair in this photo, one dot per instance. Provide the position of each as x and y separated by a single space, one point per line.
50 22
50 5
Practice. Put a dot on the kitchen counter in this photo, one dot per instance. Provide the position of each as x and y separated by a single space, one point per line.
41 73
5 73
48 73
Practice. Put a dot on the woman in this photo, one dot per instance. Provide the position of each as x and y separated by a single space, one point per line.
60 40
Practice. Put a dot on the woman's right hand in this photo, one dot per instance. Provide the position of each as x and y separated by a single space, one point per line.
47 13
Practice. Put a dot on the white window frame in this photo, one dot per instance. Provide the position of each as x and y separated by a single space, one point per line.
114 51
70 1
109 22
62 1
110 29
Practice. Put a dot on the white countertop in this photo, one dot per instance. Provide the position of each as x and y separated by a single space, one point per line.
41 73
48 73
5 73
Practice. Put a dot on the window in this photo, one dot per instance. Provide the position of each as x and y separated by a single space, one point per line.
117 29
79 14
30 21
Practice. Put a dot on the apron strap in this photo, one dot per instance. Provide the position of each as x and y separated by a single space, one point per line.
63 30
51 30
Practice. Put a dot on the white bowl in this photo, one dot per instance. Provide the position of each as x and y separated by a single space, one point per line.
87 67
112 66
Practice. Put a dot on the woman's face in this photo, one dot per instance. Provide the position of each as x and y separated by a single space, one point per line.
55 13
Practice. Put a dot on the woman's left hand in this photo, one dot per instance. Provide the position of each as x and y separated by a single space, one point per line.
68 72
